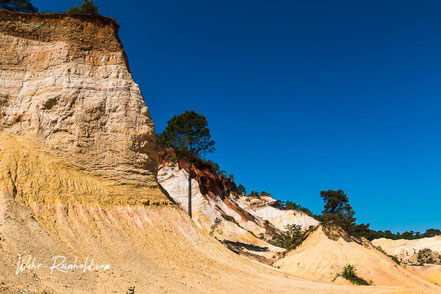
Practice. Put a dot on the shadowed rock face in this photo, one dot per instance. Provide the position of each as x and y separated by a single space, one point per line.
65 83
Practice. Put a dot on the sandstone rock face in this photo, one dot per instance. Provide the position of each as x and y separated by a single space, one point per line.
262 207
65 83
250 212
228 216
406 249
211 211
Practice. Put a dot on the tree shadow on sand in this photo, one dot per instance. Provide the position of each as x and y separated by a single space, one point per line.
246 246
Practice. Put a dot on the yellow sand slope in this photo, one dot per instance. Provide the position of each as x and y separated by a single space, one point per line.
48 208
321 258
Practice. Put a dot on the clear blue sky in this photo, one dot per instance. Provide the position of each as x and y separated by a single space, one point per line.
302 96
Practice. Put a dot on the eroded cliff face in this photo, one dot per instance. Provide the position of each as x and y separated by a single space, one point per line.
246 221
65 84
407 250
77 151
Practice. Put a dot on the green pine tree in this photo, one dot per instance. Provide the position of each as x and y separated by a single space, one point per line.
190 138
86 7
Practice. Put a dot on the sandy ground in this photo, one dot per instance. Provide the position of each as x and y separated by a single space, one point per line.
431 272
49 209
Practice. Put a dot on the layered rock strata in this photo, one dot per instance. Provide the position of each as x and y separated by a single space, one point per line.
65 84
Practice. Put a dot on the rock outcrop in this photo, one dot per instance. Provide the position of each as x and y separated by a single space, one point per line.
247 221
214 213
407 250
65 84
265 207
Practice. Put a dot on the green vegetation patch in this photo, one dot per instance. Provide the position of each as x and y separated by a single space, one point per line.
350 273
288 238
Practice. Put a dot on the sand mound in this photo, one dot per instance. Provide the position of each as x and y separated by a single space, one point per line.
322 258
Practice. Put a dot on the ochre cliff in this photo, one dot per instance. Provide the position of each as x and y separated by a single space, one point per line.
250 222
65 83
